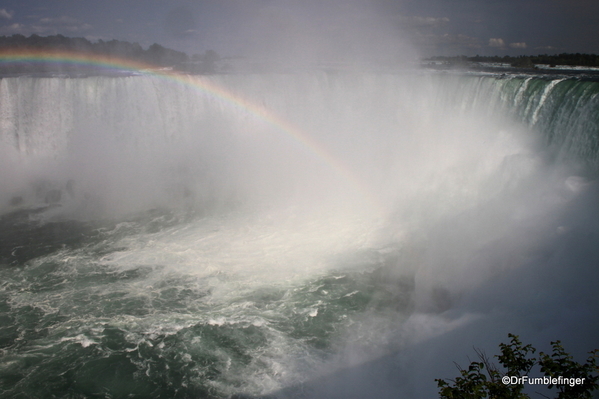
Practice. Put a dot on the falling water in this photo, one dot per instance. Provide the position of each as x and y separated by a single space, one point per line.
293 235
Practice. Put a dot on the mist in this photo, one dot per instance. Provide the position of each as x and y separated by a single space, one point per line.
348 34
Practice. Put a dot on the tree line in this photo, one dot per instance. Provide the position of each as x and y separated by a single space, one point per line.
528 61
155 55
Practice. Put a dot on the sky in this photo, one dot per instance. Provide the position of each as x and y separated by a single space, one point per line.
332 30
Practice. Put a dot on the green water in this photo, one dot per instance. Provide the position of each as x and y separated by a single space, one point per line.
73 326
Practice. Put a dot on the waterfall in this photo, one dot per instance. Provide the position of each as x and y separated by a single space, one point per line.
297 235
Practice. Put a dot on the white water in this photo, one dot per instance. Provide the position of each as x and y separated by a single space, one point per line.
499 238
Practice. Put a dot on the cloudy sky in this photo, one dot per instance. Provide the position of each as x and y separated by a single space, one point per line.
321 28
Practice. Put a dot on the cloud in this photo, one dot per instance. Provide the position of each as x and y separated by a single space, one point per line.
59 21
180 22
63 23
421 22
518 45
447 39
79 28
12 29
546 48
6 14
496 42
434 35
48 26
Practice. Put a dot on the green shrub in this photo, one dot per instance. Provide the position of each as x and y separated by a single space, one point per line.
484 379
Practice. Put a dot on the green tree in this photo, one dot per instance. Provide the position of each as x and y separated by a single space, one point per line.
483 379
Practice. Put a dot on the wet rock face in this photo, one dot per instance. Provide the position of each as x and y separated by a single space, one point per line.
42 193
70 187
16 200
53 196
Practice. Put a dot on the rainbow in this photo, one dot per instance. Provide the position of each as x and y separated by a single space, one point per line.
200 83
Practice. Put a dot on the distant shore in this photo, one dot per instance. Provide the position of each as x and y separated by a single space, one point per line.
41 56
523 61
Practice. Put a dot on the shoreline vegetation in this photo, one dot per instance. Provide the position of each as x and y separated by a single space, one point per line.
155 56
210 62
522 61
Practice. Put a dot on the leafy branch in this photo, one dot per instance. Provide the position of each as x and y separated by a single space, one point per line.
482 379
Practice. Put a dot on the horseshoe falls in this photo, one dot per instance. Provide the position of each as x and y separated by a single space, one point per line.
302 235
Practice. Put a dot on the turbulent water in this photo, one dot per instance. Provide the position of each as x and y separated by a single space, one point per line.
290 235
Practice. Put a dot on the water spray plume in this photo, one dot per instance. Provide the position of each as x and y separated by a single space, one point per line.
307 234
